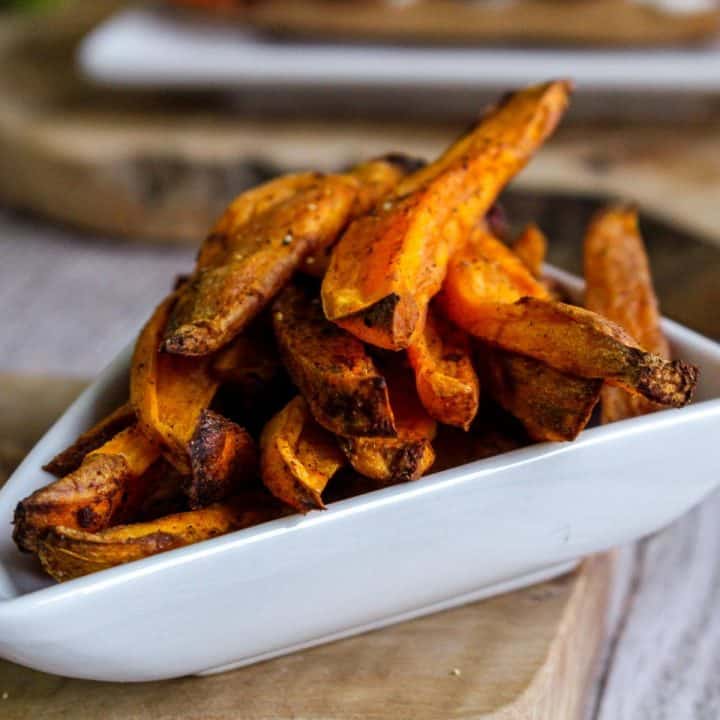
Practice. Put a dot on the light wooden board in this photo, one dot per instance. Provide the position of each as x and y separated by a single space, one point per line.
527 654
162 166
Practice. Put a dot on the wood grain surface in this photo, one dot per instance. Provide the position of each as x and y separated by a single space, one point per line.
526 654
161 166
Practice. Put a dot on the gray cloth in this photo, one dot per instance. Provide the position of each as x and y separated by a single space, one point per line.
69 302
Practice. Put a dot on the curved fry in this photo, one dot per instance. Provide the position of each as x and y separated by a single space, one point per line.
67 553
445 378
507 311
252 254
93 495
169 392
618 285
387 265
345 392
298 457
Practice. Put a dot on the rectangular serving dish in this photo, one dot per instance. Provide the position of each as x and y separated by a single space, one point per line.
393 554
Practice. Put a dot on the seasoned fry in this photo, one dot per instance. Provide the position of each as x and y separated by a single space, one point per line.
92 496
298 457
168 391
375 180
345 392
550 404
578 342
67 553
618 285
252 254
406 456
531 247
499 309
444 374
223 457
71 458
387 265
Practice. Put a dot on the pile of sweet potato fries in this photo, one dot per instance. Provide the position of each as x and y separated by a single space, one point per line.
358 328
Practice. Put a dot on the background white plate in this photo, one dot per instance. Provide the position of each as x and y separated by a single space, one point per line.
153 48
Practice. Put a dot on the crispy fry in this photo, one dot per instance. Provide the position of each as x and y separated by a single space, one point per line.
168 391
345 392
444 374
550 404
531 247
619 287
91 497
375 180
406 456
223 457
298 457
252 254
388 265
67 553
71 458
497 308
485 268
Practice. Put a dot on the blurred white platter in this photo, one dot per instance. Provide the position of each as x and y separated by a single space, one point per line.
151 48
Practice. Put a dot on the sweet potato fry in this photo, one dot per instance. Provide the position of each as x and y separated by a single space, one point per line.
375 180
67 553
92 496
298 457
71 458
446 381
496 307
387 265
531 247
168 392
550 404
223 457
346 393
619 287
254 254
406 456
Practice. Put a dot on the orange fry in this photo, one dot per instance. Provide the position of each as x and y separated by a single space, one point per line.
388 264
252 253
71 458
67 553
531 247
298 457
406 456
501 310
92 496
444 375
618 285
168 391
346 393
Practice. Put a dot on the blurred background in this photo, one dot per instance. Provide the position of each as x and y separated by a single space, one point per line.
126 128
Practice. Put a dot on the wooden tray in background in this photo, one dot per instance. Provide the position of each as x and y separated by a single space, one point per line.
161 166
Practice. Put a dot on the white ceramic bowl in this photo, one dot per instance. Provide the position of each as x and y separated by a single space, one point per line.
449 538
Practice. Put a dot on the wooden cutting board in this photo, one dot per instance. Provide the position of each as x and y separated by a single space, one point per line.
527 654
162 166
